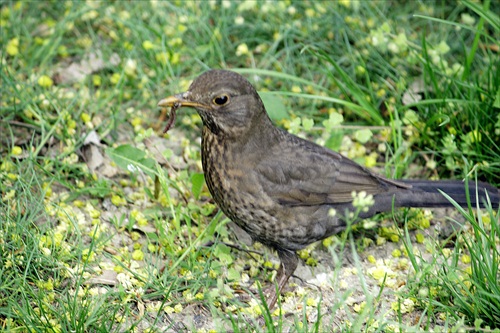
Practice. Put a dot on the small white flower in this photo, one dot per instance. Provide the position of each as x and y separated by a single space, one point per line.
239 20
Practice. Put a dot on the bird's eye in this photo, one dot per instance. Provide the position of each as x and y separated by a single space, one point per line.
221 100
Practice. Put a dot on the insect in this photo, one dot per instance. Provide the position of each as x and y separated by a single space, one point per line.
171 118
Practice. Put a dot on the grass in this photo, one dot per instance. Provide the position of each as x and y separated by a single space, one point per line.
461 281
106 225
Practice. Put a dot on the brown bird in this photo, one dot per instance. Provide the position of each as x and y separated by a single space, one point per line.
284 190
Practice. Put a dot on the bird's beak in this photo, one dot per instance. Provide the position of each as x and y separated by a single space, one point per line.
178 100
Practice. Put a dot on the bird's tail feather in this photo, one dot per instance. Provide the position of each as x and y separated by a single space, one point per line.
426 194
430 195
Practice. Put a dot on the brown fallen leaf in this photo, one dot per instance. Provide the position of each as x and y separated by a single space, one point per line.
414 93
108 277
93 156
91 63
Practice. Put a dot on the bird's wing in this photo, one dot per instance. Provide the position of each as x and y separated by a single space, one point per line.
303 173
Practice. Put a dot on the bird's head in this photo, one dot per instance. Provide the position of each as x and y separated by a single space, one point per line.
227 103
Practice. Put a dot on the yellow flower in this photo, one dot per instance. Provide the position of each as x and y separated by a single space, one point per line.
176 57
96 80
45 81
136 121
90 15
381 241
359 307
345 3
162 57
175 42
381 93
117 200
13 47
446 252
311 302
71 124
465 259
377 273
113 35
115 78
62 50
16 150
9 195
135 235
138 255
394 238
311 262
12 176
85 117
119 318
94 213
152 248
88 255
474 136
148 45
327 241
396 253
310 12
130 67
420 238
142 221
407 306
85 42
124 15
242 49
371 160
47 285
268 264
128 46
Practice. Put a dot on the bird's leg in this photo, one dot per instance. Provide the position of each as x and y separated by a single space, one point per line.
288 264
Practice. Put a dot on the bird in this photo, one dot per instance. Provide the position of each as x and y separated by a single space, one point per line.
284 191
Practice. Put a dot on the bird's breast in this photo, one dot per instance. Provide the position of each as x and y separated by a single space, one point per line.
227 175
235 186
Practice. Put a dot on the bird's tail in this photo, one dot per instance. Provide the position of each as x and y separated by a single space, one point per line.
428 193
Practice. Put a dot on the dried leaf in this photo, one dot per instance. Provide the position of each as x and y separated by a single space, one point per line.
91 63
